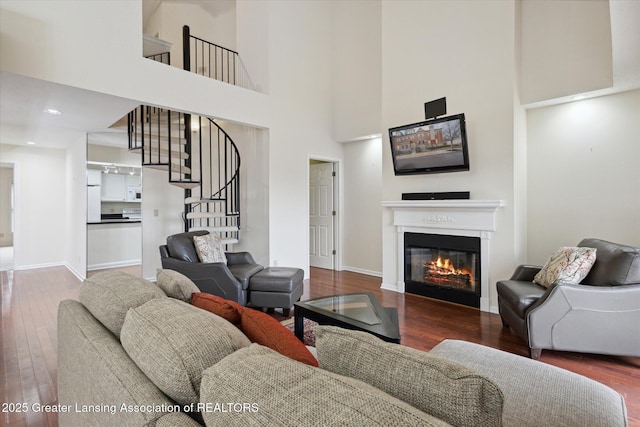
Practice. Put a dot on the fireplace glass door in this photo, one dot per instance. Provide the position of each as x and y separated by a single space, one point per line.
443 267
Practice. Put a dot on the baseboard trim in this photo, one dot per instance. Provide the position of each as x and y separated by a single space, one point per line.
362 271
81 277
106 265
34 266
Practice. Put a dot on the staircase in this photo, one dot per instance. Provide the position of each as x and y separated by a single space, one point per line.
198 155
202 159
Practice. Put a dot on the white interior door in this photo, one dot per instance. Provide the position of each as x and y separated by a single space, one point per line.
321 215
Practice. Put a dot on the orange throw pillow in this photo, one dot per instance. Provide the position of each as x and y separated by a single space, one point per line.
227 309
267 331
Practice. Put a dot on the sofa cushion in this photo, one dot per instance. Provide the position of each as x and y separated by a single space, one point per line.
227 309
566 265
447 390
615 264
173 343
180 246
519 295
278 391
265 330
209 248
108 296
536 393
175 284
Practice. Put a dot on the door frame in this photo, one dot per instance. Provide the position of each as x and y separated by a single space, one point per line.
337 206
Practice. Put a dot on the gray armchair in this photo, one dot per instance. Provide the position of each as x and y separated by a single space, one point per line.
600 315
230 280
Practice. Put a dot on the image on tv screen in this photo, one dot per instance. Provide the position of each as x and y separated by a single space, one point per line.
433 146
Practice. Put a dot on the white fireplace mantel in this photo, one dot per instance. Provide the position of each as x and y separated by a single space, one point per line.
473 218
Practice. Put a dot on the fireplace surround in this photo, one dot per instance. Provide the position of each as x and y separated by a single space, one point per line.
456 218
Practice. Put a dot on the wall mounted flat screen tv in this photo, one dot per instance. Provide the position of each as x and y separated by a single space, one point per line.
432 146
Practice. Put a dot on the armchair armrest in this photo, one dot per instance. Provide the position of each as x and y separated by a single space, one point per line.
593 319
214 278
234 258
525 273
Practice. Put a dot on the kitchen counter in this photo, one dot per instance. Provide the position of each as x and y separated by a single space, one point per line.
115 221
119 218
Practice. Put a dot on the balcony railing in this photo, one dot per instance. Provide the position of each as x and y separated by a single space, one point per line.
213 61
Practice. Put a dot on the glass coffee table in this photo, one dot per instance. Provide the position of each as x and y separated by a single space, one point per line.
350 311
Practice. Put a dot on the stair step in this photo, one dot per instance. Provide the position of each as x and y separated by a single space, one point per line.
185 184
174 116
196 200
231 229
164 152
162 138
198 215
178 168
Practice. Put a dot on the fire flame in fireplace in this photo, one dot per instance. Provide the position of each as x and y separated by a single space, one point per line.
443 272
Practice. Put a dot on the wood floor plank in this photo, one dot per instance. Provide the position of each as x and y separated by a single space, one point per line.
29 301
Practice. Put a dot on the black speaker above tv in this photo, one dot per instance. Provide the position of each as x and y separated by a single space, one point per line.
435 108
445 195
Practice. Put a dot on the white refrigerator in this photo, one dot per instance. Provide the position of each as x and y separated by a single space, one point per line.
93 203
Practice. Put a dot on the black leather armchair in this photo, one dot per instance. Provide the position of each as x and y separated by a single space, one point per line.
599 315
230 280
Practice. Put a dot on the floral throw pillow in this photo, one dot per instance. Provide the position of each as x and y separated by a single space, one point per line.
209 248
566 265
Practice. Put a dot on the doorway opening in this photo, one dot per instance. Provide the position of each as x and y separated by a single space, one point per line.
323 214
7 216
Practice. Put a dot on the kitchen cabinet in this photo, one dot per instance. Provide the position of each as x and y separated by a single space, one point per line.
113 245
134 180
113 187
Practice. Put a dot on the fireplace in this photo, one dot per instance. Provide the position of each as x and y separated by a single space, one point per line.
468 223
443 267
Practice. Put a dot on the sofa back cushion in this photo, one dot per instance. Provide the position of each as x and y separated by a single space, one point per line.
109 295
176 285
173 342
447 390
615 264
180 246
267 389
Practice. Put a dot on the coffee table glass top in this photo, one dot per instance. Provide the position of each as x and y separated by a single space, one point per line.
357 307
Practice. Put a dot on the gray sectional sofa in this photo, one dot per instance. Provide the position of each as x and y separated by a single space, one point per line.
133 353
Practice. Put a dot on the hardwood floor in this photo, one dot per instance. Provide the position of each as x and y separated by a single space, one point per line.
29 301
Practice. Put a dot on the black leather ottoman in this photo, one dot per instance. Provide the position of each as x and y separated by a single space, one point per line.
276 287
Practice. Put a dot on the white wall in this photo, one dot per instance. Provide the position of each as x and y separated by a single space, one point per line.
252 38
356 68
75 208
203 19
253 146
74 43
162 207
583 173
566 48
362 212
300 86
435 49
41 232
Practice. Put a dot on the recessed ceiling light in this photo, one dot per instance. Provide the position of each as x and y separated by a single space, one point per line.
52 111
31 143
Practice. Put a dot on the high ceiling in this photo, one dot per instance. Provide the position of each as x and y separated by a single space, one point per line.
22 100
